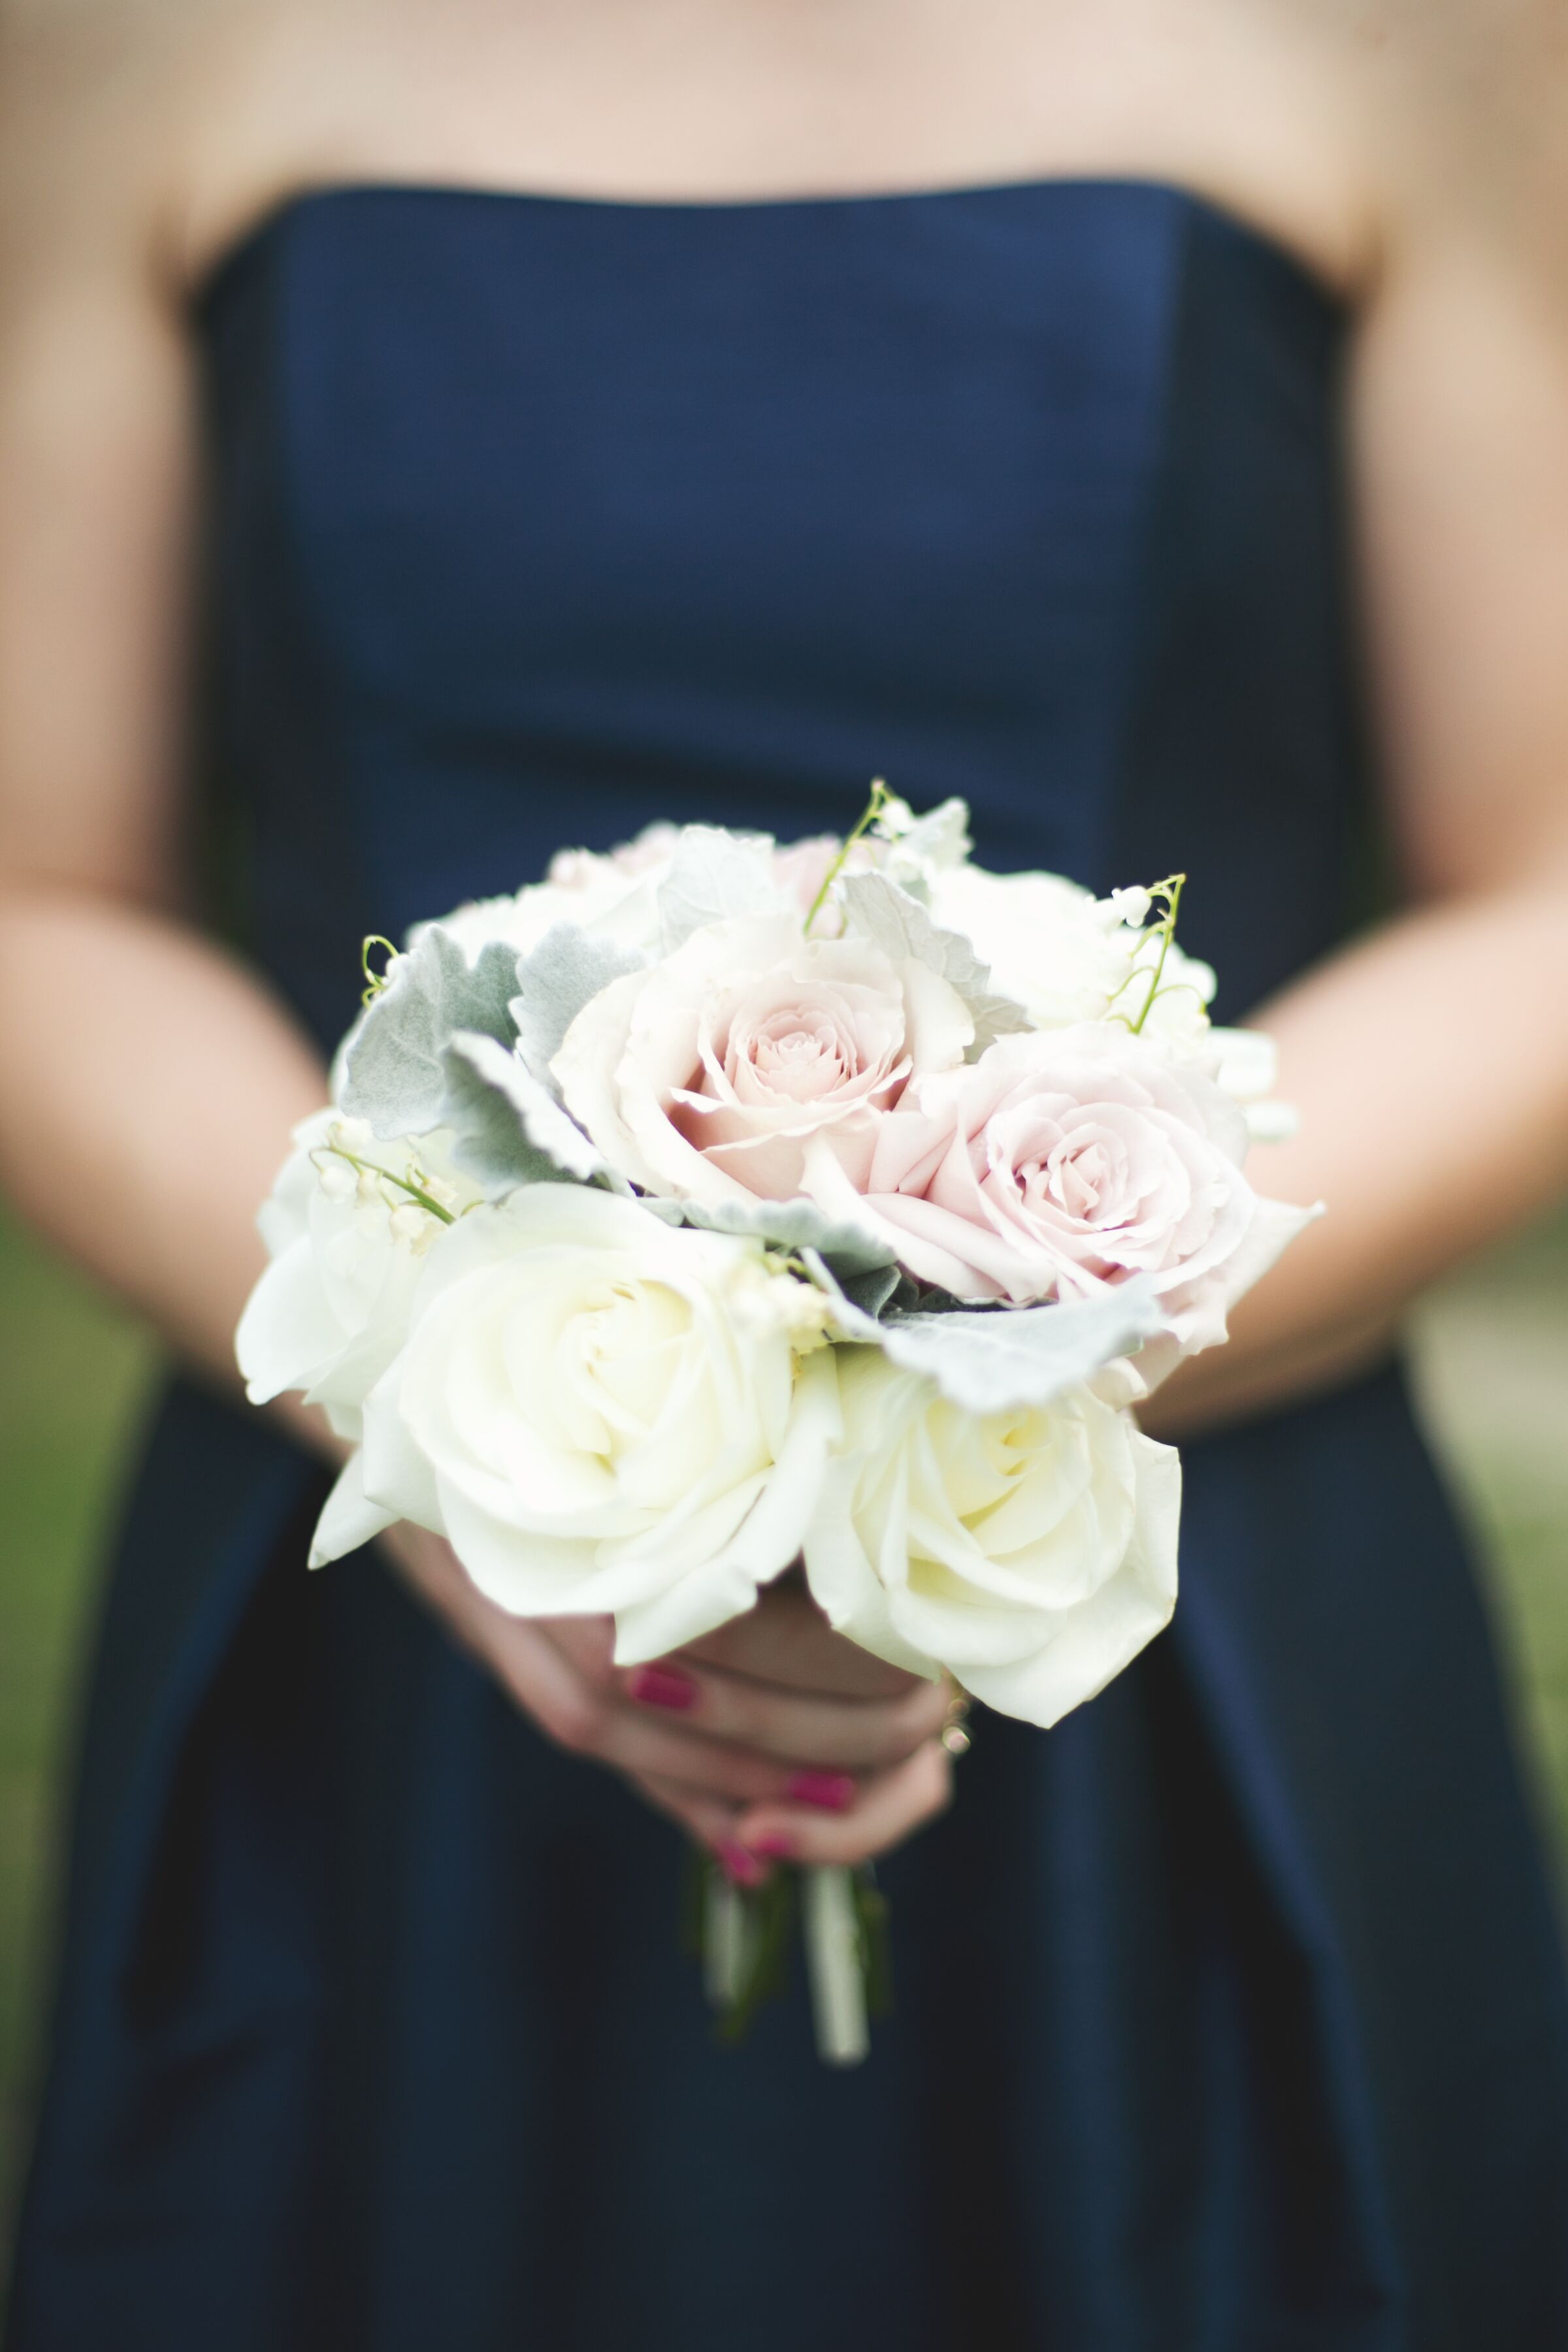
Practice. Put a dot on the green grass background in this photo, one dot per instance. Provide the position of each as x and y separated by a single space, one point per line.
1492 1357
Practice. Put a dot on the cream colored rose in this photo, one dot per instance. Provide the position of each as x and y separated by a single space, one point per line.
347 1245
728 1070
1032 1553
1066 956
604 1415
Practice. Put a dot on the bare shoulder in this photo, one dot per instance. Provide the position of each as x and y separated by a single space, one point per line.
110 113
86 100
1460 109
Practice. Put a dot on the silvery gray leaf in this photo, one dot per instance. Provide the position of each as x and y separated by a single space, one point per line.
714 878
565 971
668 1212
338 1076
395 1071
875 1290
846 1249
1001 1360
878 910
508 1129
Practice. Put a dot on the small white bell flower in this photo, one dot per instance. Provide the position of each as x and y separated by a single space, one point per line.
1131 907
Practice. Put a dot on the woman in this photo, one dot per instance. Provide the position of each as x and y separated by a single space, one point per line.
554 417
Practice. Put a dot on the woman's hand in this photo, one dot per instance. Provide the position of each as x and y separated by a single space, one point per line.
773 1738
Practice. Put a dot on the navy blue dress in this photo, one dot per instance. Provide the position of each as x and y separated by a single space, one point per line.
1230 2013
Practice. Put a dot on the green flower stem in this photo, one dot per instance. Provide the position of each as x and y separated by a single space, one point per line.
374 981
1164 930
404 1183
876 1948
874 808
743 1937
769 1913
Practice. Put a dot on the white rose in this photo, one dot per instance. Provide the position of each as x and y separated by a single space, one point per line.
604 1414
1051 946
1066 956
1033 1553
347 1247
723 1071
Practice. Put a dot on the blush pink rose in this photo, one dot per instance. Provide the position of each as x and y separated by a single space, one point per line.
1060 1163
750 1056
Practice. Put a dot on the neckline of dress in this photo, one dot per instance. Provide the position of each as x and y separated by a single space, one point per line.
273 220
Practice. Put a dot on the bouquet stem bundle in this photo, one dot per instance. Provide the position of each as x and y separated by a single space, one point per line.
742 1937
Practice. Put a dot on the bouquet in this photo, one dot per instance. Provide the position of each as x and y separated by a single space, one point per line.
716 1205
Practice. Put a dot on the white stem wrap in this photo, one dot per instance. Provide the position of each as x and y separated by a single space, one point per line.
833 1964
724 1938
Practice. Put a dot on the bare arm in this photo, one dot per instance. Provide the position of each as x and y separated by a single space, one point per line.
145 1083
1430 1061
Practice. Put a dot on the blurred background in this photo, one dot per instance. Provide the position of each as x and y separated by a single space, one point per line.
1491 1351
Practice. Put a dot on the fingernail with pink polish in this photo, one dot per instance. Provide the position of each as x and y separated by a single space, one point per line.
777 1846
740 1867
662 1687
834 1791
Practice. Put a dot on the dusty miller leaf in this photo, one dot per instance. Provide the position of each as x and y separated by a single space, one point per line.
394 1066
873 1292
716 876
1003 1360
878 910
508 1128
798 1224
565 971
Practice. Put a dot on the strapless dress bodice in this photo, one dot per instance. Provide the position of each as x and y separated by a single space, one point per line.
540 517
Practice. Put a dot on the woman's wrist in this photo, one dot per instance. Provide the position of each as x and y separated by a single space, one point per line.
1255 1372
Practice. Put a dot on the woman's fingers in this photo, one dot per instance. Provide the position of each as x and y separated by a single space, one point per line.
797 1726
885 1811
707 1819
786 1640
804 1729
559 1671
755 1768
712 1825
748 1841
593 1716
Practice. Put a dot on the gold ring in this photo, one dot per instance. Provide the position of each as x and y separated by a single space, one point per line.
953 1736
